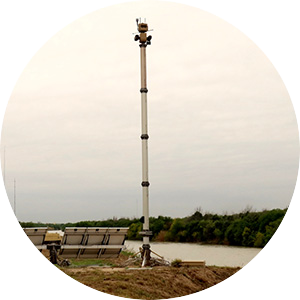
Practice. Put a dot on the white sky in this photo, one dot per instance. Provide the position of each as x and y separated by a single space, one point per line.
223 132
273 25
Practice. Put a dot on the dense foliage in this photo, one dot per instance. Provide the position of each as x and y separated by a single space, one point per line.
251 229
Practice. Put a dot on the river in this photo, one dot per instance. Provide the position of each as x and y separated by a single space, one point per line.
217 255
214 255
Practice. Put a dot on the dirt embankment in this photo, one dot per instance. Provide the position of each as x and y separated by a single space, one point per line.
155 283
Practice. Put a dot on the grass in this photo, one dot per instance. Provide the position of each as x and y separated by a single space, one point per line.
77 262
127 253
90 262
176 262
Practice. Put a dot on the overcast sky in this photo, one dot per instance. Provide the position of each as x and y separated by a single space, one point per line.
223 132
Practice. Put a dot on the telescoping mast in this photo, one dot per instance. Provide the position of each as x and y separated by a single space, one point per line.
144 41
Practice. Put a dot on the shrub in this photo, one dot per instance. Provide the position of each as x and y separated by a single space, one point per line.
176 263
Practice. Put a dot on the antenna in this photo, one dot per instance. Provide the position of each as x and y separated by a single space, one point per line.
142 28
4 165
15 198
144 41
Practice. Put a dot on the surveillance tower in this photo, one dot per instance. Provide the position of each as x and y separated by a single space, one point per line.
144 41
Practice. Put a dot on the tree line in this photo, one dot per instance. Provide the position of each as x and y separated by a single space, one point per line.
248 228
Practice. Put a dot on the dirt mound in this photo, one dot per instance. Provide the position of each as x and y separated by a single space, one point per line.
156 283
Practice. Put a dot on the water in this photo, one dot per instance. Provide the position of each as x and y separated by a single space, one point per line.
212 254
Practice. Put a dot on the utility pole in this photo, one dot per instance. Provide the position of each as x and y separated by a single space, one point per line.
144 41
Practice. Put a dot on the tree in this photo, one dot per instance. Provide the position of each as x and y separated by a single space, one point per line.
175 232
259 240
248 238
134 230
234 233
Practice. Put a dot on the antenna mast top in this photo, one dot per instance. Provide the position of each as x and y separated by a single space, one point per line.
142 37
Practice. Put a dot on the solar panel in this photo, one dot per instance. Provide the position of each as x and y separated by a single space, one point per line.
115 237
94 236
73 236
37 236
92 242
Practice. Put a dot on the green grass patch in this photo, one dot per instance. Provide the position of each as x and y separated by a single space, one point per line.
90 262
127 253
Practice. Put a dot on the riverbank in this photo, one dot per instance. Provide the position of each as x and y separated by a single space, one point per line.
109 276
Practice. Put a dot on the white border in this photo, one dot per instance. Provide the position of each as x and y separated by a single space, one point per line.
27 25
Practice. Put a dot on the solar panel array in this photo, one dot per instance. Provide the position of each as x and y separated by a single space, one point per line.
84 242
37 236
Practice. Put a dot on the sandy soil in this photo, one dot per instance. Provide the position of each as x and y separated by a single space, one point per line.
155 283
151 283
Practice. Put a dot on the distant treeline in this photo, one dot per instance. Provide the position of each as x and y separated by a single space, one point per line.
248 228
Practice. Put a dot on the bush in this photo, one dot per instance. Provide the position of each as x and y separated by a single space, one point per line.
176 263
